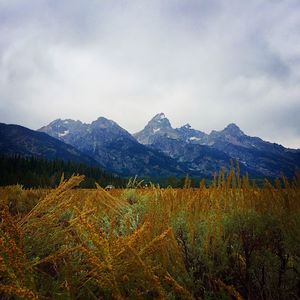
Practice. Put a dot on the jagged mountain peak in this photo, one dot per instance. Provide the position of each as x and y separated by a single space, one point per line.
160 126
159 116
62 128
232 126
159 121
104 123
108 130
233 129
64 121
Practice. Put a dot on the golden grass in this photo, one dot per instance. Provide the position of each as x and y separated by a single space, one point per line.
151 243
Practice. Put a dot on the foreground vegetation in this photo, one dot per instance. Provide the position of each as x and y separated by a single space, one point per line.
231 240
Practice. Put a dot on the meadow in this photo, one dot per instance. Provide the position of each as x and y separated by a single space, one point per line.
229 240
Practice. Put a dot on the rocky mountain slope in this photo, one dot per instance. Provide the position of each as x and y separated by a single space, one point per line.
207 152
113 147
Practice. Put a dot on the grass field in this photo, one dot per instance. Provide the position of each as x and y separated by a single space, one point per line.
231 240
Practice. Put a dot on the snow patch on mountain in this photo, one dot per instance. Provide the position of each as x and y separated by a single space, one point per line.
64 133
194 138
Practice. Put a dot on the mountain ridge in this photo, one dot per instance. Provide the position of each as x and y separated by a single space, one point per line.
185 149
16 139
253 153
114 147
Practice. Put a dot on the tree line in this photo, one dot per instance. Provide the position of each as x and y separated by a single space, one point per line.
36 172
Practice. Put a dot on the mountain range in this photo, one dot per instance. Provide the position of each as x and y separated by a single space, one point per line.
114 148
207 152
159 150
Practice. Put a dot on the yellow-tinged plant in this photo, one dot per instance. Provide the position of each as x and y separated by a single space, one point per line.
15 270
230 239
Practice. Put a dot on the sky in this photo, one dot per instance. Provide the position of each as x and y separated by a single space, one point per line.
204 62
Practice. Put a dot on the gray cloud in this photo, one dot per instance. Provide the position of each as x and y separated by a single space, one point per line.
206 62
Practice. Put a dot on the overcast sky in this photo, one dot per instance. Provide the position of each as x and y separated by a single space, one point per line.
203 62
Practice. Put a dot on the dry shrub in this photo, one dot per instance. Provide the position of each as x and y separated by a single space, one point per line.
231 239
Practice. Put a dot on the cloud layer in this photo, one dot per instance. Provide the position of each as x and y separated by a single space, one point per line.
206 62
